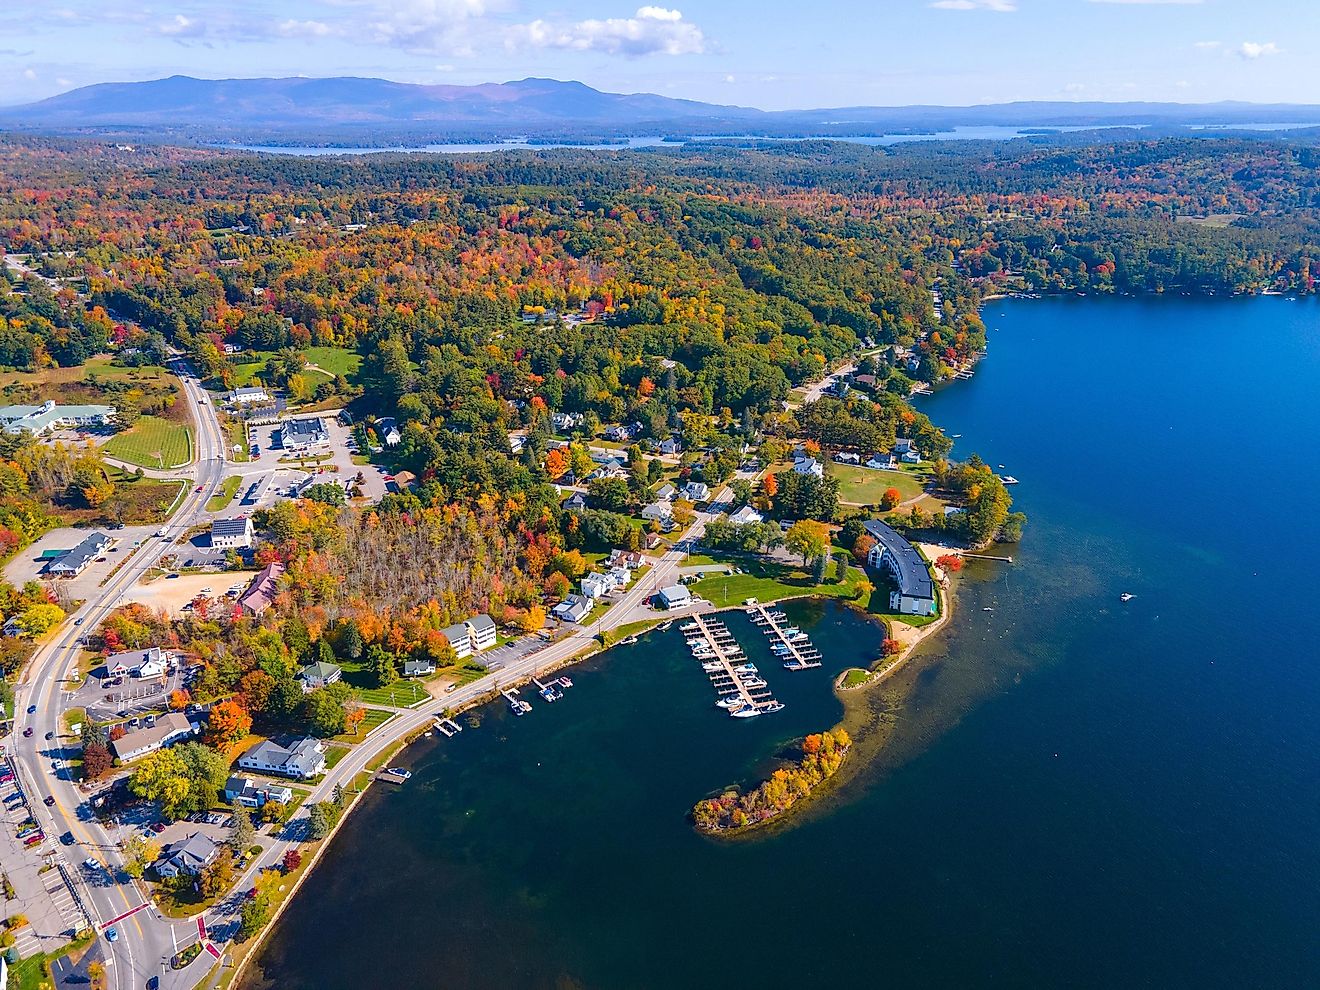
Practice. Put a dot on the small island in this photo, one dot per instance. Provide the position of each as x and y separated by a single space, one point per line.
823 754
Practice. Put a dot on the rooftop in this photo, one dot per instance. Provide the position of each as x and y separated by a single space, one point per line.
913 576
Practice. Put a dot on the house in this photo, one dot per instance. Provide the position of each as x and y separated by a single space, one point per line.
651 540
249 396
865 381
844 457
231 534
902 445
250 794
418 668
301 759
661 512
574 608
914 592
49 416
565 421
318 675
674 596
165 731
460 640
665 493
481 632
808 465
387 430
696 491
882 462
261 592
672 446
619 577
630 559
596 585
190 856
575 502
911 457
746 516
517 441
76 560
624 433
141 663
303 434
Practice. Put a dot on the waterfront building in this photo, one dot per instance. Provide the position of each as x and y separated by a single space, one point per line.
914 593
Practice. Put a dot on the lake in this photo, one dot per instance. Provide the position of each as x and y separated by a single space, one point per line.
1076 792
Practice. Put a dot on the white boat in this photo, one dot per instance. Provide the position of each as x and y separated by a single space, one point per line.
712 667
400 773
746 711
1008 479
754 683
772 707
747 668
731 702
1125 597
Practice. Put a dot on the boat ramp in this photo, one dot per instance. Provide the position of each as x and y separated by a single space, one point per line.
790 644
742 692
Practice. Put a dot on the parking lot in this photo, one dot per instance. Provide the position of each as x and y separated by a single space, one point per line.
174 592
29 565
106 701
336 455
34 867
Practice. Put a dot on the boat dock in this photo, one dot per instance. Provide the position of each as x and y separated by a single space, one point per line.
788 643
516 704
550 692
741 690
448 726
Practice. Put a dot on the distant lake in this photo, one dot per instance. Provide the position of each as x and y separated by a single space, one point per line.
1079 793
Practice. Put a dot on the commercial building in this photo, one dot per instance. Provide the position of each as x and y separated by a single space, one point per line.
914 593
190 856
250 396
231 534
303 434
674 596
261 592
76 560
167 730
50 416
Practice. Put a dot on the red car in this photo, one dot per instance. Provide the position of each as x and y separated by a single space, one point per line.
199 489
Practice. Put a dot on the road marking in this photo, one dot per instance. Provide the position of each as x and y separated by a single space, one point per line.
213 950
127 914
201 927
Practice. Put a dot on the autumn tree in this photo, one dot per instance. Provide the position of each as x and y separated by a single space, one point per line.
808 538
890 499
292 860
97 762
228 723
139 853
217 876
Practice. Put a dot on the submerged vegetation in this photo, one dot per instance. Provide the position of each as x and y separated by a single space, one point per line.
822 755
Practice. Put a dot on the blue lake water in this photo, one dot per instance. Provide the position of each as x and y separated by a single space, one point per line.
1077 792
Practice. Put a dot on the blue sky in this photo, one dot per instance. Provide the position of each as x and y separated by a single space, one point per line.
774 54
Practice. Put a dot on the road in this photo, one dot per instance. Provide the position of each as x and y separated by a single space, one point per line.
146 940
816 390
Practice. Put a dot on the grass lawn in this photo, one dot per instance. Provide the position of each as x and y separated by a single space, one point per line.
855 677
334 360
862 486
153 442
33 972
772 580
245 371
333 754
237 437
400 694
374 717
227 490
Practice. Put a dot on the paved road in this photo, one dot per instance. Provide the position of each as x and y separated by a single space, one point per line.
146 940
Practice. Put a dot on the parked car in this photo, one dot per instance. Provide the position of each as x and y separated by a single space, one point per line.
67 838
50 736
34 840
91 864
157 827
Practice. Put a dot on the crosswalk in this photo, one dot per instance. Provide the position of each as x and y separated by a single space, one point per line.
62 897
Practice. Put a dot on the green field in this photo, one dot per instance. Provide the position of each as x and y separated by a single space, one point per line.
154 443
771 581
862 486
374 718
334 360
227 489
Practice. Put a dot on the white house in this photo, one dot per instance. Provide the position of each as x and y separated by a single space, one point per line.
911 457
903 445
249 396
844 457
164 731
808 465
696 491
318 675
596 585
388 432
250 794
674 596
231 534
565 421
665 493
481 632
76 560
661 512
882 462
672 446
574 608
301 759
140 663
619 577
746 516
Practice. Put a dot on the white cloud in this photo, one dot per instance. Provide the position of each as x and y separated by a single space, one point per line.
998 6
651 31
29 74
182 27
1257 49
1208 45
304 29
1153 3
434 26
729 78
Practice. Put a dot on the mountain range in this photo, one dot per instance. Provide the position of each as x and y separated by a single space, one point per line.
340 108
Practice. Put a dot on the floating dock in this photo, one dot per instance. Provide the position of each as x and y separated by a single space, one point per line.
448 726
789 644
516 704
742 692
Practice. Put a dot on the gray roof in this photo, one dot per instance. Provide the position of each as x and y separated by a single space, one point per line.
911 572
298 758
455 633
482 621
237 526
304 429
82 554
193 852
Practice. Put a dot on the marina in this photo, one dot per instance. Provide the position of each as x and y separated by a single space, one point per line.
789 644
743 693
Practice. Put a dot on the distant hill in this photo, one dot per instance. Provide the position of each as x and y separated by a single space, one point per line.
377 112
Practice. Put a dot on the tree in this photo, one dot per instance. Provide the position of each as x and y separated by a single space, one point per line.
862 547
532 620
292 860
163 776
383 663
37 620
180 699
890 499
324 713
243 834
556 463
610 494
950 562
349 645
217 876
327 493
96 974
822 567
807 538
228 723
841 569
97 761
255 688
890 647
319 821
139 853
252 917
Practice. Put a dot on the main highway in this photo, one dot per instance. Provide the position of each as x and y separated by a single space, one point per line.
146 940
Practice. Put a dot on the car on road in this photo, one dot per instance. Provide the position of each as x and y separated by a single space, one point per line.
78 622
48 800
199 489
50 736
157 827
57 764
111 935
67 838
27 733
32 709
90 864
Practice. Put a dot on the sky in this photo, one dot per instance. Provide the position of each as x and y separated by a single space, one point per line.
774 54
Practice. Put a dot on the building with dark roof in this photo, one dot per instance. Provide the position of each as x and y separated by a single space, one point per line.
300 434
914 593
76 560
231 534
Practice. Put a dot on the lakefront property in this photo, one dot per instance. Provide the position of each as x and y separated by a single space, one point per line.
914 592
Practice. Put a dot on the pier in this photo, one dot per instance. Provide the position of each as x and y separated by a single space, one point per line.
516 704
448 726
738 683
791 645
551 691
